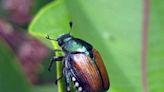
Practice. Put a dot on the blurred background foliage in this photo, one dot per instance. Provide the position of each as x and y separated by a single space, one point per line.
128 34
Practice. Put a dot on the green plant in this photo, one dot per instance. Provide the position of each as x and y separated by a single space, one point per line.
128 36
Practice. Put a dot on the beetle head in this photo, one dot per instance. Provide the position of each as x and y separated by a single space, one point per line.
62 39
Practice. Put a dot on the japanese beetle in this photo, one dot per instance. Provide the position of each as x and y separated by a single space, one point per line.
82 65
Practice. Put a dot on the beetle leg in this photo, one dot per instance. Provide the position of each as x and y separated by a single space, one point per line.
63 70
54 60
67 80
68 83
56 81
77 52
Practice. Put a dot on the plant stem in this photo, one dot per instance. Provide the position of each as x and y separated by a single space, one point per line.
60 83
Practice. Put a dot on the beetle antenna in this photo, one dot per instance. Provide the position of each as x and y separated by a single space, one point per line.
70 24
48 37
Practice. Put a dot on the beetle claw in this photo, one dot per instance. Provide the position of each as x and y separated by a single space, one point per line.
49 69
56 81
48 37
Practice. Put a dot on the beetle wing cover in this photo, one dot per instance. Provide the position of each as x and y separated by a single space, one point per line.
86 72
102 69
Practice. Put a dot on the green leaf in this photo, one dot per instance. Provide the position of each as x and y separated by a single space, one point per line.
127 33
11 75
52 20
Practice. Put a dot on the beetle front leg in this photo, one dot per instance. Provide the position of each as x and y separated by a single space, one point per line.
54 60
63 71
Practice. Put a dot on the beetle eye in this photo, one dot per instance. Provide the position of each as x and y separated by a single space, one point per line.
60 42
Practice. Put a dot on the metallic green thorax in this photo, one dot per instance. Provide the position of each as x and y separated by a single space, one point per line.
70 44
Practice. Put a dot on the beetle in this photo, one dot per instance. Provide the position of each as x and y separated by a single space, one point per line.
82 65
